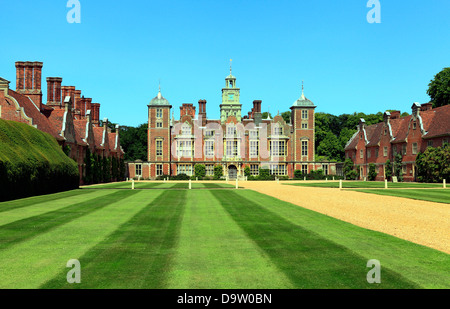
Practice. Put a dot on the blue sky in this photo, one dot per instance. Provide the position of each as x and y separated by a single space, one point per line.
121 49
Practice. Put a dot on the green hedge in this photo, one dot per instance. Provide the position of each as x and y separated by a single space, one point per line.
32 163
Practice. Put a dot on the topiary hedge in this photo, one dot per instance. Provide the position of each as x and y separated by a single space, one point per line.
32 163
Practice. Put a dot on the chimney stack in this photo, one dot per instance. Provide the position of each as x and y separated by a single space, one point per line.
256 111
28 80
88 106
54 91
95 113
395 114
426 107
202 111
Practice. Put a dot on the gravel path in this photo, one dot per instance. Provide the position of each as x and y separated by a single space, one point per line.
421 222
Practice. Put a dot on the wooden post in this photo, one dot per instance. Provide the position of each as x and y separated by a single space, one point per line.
385 184
132 184
445 183
340 184
237 184
190 184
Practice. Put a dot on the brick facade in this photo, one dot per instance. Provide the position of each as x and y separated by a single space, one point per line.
425 127
71 119
176 146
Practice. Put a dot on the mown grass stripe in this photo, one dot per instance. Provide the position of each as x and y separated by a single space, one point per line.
17 214
32 201
31 263
431 195
24 229
214 253
307 259
138 254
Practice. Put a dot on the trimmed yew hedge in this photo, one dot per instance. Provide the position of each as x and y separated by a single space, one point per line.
32 163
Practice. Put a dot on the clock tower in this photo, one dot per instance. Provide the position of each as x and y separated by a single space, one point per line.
230 100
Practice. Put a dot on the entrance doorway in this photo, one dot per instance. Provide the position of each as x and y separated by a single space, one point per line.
232 172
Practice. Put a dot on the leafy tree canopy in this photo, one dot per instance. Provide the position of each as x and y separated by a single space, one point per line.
439 88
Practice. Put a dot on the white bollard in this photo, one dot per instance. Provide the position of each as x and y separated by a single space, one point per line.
445 183
237 184
196 178
333 178
385 184
304 179
340 184
190 184
132 184
326 179
278 181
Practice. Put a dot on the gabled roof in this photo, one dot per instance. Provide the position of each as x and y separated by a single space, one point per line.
32 111
438 123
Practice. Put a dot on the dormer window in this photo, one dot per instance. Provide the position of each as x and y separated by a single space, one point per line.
278 130
186 129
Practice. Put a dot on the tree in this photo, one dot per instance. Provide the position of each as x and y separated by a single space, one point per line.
330 147
287 117
439 88
434 164
134 142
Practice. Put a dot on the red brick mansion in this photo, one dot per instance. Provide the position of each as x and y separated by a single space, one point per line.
426 127
234 141
70 118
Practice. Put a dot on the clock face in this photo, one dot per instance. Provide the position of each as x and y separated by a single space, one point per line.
231 97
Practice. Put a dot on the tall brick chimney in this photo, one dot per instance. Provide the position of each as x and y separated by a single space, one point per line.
187 109
395 114
426 107
54 91
202 111
28 80
256 111
88 106
95 113
68 91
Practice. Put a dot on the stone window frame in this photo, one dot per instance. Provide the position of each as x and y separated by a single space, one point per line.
159 149
138 169
254 169
159 170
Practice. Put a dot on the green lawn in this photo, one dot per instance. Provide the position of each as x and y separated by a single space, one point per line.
365 184
432 195
160 185
198 239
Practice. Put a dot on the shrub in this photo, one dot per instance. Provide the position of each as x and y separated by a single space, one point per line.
372 172
199 171
218 172
298 174
32 163
247 171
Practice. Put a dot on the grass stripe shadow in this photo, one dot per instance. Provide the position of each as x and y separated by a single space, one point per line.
32 201
307 259
21 230
138 254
